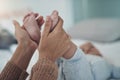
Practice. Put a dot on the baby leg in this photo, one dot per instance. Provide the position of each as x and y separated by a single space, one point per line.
101 69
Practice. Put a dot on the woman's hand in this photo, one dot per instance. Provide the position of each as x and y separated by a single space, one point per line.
22 36
25 49
53 44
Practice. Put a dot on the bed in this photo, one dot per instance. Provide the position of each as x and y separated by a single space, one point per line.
108 45
111 51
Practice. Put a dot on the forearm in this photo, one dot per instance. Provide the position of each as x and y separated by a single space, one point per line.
22 55
13 72
44 69
15 69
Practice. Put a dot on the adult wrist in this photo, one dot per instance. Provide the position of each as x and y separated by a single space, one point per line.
23 54
27 44
43 56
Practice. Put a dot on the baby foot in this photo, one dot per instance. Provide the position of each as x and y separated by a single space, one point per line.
54 16
33 26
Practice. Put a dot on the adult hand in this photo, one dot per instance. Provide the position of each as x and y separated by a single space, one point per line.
25 49
22 36
53 44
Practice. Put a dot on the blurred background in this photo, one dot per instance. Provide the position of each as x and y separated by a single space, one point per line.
72 11
97 21
17 9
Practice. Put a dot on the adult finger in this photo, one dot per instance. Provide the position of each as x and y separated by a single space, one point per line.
17 27
47 27
16 24
59 26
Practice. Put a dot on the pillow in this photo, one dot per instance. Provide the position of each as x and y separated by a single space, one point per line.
102 30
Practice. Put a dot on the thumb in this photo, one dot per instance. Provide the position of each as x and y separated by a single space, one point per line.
59 25
47 26
16 24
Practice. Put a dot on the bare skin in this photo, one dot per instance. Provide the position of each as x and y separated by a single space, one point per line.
33 25
54 17
89 48
48 45
24 38
53 44
70 53
25 49
54 20
33 22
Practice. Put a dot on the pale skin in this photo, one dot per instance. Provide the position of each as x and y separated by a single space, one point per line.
54 20
26 45
54 39
33 25
54 17
25 48
33 22
48 48
89 48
